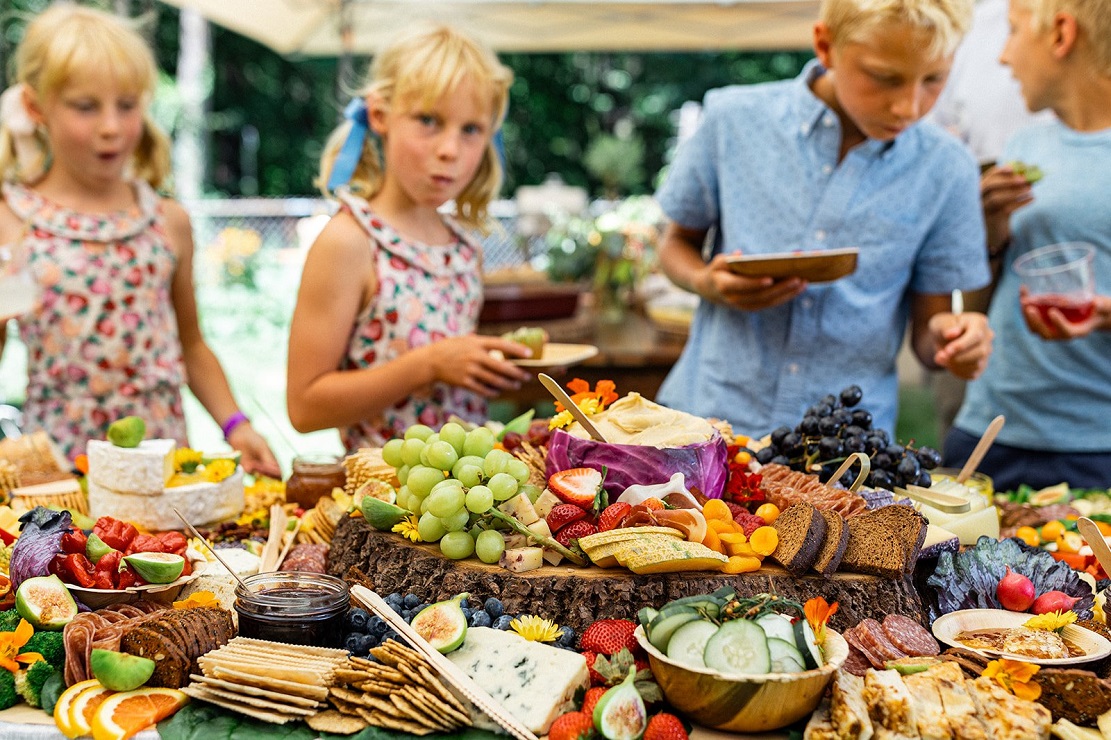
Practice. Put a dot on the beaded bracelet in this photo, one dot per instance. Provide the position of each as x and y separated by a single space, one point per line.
233 421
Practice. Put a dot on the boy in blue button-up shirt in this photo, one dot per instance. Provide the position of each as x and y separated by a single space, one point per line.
831 159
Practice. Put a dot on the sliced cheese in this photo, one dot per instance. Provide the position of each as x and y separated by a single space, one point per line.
138 471
534 682
970 527
199 503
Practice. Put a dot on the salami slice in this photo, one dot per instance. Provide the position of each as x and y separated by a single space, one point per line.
909 636
872 635
857 663
854 636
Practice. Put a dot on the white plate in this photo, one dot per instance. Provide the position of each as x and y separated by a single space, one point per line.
559 355
947 627
817 267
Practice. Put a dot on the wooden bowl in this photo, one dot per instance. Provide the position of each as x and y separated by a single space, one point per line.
163 593
817 267
744 703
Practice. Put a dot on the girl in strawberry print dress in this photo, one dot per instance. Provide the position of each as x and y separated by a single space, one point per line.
383 335
115 331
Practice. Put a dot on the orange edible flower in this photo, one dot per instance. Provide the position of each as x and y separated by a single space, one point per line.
11 642
1015 676
604 393
81 462
818 612
197 599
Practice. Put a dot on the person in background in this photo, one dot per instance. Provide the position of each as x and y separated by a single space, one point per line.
115 332
835 158
383 332
1053 382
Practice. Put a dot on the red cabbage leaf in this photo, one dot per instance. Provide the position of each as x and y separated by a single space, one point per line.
40 539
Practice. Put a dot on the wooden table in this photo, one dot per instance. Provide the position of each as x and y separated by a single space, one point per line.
634 353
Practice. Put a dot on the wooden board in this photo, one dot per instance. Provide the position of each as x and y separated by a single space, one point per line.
577 596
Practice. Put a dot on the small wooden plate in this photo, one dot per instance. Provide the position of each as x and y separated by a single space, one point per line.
817 267
558 355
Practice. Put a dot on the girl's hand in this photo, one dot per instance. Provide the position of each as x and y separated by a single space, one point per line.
718 284
256 454
1059 327
473 362
1002 192
963 343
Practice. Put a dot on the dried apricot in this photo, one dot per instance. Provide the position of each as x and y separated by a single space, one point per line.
741 564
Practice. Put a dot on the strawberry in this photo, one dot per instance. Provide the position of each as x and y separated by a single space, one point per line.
572 726
573 531
608 636
596 678
591 698
562 515
664 726
612 516
578 486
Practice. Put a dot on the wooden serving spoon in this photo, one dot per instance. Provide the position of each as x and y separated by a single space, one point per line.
1095 540
981 449
561 395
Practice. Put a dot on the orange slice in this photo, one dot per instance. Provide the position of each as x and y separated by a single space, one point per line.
84 706
65 702
122 715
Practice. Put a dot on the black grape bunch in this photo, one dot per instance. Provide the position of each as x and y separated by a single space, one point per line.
836 427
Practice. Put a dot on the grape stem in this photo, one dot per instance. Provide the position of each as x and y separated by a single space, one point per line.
545 541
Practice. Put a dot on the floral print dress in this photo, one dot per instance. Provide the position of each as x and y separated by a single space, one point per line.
425 293
102 342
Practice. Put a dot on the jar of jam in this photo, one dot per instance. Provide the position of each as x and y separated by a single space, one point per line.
314 476
294 607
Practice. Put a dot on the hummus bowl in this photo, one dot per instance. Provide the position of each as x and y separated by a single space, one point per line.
740 702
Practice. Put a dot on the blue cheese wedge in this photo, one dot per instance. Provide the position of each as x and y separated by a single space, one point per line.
534 682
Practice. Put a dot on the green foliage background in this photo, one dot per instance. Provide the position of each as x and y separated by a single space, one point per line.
559 103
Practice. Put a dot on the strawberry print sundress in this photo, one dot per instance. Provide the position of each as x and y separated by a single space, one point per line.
425 293
102 343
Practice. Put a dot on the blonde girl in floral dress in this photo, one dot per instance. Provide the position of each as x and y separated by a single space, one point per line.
383 332
115 331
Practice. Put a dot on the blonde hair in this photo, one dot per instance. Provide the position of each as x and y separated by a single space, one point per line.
418 70
946 21
67 40
1092 16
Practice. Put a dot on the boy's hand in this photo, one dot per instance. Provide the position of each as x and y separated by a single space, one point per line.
718 284
1059 327
478 363
256 455
963 343
1002 192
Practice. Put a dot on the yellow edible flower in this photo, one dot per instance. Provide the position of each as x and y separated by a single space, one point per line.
197 599
11 642
218 470
1015 676
186 460
561 420
535 629
1052 621
408 528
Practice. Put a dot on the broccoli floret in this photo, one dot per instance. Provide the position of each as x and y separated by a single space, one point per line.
29 682
8 695
50 645
9 620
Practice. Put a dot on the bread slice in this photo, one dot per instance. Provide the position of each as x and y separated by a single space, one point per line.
802 530
884 542
833 549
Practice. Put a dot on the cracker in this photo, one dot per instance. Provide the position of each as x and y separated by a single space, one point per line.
432 705
415 713
383 673
376 687
442 691
337 653
250 655
278 707
268 682
272 717
378 719
344 706
298 701
331 720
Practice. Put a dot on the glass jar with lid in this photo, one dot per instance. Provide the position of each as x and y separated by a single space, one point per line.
293 607
314 476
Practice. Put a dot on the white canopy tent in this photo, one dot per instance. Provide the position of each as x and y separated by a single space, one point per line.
339 27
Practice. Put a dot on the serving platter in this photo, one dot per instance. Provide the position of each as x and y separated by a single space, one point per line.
817 267
947 627
558 355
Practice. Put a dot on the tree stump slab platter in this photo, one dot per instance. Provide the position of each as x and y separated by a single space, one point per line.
575 596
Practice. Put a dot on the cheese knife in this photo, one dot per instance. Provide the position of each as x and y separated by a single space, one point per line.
561 395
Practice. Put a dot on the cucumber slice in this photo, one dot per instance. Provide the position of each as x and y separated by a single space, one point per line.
670 618
740 646
724 594
807 645
706 603
688 644
645 616
786 658
776 625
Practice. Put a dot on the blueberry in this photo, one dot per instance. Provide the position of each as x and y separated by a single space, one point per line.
481 619
363 644
352 642
389 635
394 600
419 608
357 620
465 603
566 636
502 622
467 612
411 600
494 607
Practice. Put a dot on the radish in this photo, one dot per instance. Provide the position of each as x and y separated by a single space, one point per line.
1054 601
1015 591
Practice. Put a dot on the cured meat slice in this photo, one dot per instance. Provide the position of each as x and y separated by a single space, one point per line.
855 637
857 663
872 635
909 636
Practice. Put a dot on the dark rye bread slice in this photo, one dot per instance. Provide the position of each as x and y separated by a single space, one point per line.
802 530
884 542
175 639
833 549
